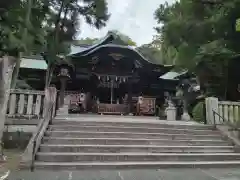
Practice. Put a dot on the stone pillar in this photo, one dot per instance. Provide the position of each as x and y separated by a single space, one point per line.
62 91
211 107
6 68
63 76
185 116
171 112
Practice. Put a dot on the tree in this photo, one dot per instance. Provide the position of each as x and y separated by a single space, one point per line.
200 32
20 29
49 22
17 35
122 39
151 53
6 68
85 41
157 53
62 26
24 41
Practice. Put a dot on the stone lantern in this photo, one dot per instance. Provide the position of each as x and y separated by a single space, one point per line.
190 91
63 76
185 84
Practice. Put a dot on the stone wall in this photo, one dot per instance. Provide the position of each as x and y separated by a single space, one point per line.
17 135
13 140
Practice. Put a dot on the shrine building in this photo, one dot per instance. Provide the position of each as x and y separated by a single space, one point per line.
108 78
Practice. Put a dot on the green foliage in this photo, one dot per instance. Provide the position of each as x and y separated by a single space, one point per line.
198 112
86 41
189 24
122 39
200 32
33 26
157 53
21 30
63 21
237 25
21 26
62 26
151 53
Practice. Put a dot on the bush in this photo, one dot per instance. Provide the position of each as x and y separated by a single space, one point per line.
198 112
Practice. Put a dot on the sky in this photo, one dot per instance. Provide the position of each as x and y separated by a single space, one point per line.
135 18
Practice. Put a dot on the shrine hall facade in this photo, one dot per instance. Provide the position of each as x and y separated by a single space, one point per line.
108 78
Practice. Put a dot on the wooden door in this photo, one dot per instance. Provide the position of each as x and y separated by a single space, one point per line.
148 106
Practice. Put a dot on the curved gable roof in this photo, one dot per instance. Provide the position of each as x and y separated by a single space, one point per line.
106 43
83 50
125 49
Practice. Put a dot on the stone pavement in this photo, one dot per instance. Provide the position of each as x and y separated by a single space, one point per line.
151 174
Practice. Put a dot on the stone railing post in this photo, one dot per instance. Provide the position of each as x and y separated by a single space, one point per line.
50 99
211 106
6 68
35 141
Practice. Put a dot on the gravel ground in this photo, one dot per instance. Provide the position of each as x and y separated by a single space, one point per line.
152 174
10 171
13 158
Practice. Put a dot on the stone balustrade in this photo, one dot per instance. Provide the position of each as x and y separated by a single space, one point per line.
218 112
25 104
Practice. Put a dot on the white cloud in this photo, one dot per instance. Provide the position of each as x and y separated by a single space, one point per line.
131 17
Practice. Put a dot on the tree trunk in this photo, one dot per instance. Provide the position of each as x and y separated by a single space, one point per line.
49 74
6 69
47 77
16 71
53 45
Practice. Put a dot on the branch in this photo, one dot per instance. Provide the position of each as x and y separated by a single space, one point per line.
65 17
85 10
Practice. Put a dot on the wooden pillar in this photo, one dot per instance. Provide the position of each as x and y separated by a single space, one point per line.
63 81
130 105
112 91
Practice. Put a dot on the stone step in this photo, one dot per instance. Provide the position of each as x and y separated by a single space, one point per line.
135 148
130 129
130 123
101 157
135 165
88 134
134 141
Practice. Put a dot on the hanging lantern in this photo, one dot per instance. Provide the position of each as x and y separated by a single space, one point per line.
64 72
99 77
116 78
124 80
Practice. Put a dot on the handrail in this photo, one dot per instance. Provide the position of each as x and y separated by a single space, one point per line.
224 121
37 135
48 116
214 119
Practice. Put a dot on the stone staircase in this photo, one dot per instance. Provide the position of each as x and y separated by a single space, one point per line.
109 143
63 110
